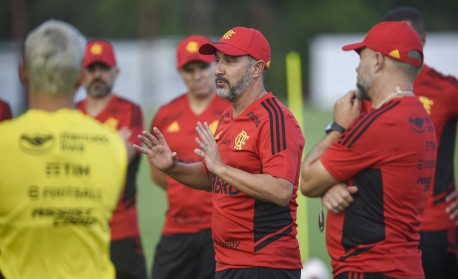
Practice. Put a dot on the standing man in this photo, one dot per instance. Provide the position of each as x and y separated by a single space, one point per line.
383 153
439 95
185 249
251 165
439 228
63 171
5 111
118 114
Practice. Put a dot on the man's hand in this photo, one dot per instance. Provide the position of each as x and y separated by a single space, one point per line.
346 109
338 197
208 149
452 208
157 150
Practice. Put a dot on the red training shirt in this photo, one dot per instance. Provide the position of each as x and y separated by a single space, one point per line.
247 232
439 95
383 154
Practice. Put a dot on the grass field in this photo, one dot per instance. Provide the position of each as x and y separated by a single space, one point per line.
152 200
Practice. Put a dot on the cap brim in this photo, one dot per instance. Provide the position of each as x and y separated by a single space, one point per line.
88 62
206 60
355 46
211 48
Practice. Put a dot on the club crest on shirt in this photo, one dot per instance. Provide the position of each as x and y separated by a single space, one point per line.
240 140
427 103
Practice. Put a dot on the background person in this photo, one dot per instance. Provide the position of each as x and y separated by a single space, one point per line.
185 249
63 171
251 164
378 152
5 110
122 115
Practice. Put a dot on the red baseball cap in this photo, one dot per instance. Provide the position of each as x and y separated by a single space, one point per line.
394 39
99 51
241 41
188 51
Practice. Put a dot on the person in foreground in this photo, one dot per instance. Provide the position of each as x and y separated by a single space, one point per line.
63 173
185 249
381 153
251 164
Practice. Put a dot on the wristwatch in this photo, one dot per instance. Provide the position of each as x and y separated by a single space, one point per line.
333 126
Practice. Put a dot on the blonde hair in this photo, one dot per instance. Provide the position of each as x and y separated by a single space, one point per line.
53 55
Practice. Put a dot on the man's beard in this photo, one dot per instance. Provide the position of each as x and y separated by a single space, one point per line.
362 88
233 92
98 89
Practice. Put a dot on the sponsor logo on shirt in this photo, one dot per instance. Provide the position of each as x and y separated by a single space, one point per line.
37 142
213 126
417 123
240 140
111 123
231 244
254 117
174 127
427 103
219 186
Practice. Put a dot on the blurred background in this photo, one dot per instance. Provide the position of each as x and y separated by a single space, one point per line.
145 33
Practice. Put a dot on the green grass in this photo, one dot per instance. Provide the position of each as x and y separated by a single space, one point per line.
152 202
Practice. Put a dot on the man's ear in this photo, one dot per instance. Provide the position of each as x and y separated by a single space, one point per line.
22 71
379 61
258 68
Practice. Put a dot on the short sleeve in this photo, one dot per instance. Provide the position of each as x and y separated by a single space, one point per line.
280 146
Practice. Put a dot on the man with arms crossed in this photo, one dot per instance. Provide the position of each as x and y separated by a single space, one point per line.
185 249
439 228
118 114
251 165
63 171
380 152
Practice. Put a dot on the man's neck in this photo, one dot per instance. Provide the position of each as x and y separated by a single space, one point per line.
389 90
94 106
50 103
246 99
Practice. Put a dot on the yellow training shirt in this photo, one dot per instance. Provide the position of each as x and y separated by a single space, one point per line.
61 174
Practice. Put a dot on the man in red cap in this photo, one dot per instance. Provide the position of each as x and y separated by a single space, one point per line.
382 152
122 115
251 165
185 249
439 228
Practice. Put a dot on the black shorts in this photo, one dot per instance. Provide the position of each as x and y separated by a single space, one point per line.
360 275
258 273
439 253
185 256
128 258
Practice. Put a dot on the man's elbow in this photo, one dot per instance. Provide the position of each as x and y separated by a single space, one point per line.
308 188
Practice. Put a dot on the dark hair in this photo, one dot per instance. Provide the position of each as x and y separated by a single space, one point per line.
407 14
